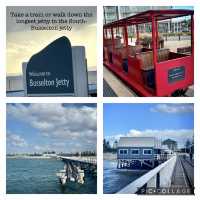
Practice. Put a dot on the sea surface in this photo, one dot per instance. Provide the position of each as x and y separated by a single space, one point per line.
38 176
114 179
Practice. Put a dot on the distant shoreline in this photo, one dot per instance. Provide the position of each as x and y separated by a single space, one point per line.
29 157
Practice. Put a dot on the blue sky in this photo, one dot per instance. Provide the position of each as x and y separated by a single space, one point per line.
58 127
183 7
163 121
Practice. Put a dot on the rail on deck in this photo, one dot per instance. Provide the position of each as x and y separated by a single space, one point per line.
158 177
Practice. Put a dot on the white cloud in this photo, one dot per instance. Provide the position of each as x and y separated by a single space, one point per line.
173 108
16 140
180 135
55 121
161 133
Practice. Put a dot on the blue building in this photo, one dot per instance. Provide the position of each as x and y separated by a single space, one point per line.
139 152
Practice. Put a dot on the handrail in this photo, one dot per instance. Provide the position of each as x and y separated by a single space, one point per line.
90 160
140 182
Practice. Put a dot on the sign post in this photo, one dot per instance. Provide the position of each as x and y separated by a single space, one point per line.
57 70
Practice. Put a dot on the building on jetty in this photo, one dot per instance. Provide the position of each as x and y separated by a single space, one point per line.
140 153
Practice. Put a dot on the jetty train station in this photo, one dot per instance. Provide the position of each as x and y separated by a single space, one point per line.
167 171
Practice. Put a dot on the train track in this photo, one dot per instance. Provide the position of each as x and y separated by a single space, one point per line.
188 169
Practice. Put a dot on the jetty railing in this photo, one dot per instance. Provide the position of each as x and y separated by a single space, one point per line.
89 159
160 176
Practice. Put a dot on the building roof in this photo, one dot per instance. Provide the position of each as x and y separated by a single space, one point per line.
139 142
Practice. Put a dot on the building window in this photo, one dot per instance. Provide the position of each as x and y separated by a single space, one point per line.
147 151
134 151
123 151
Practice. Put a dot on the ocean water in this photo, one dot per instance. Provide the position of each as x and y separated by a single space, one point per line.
38 176
114 179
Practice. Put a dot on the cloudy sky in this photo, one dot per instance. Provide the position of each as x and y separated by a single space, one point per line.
175 121
60 127
22 43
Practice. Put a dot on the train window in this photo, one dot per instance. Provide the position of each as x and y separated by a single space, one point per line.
175 35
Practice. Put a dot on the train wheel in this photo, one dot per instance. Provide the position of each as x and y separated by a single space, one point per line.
179 93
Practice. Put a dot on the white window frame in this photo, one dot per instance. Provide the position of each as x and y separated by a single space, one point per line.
147 153
123 153
135 153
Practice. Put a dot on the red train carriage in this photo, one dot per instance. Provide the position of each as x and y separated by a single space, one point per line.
153 70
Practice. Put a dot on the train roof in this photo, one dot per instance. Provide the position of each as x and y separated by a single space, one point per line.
146 17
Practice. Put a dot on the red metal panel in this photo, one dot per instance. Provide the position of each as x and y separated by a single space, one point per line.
117 60
137 87
113 41
125 36
145 17
134 69
164 88
192 32
104 34
154 36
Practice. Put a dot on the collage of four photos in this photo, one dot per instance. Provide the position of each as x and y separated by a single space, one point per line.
146 147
